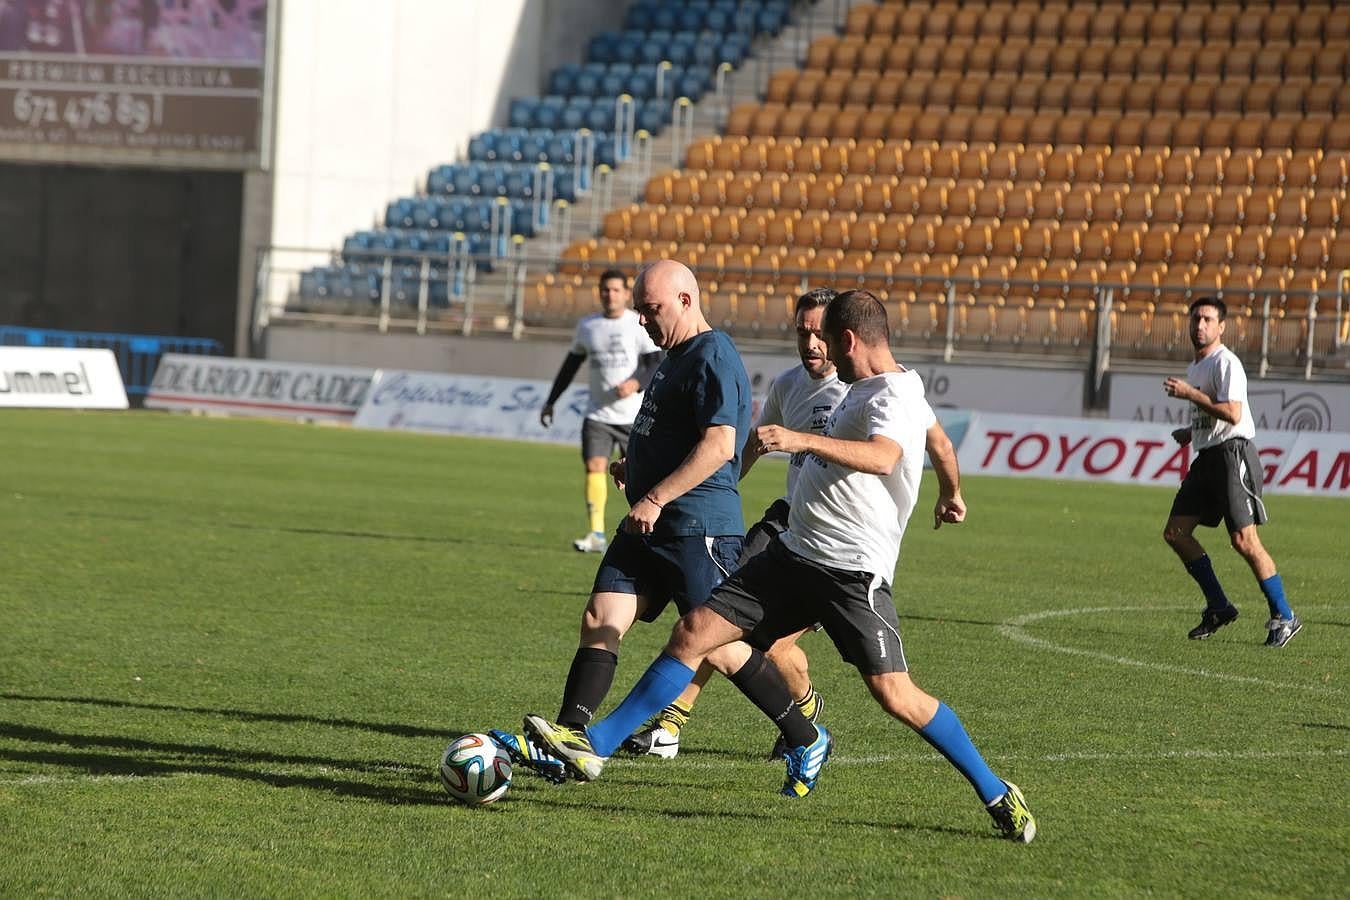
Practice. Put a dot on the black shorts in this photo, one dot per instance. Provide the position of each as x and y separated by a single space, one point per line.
762 533
778 593
601 439
661 570
1223 484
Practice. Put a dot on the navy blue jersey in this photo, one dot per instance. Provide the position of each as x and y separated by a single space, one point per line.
701 383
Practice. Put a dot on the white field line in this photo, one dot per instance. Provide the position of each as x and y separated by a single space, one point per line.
1014 629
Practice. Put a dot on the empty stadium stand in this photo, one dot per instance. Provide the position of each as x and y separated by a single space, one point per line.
1014 175
988 168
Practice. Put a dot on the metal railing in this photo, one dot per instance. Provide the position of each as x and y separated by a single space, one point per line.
1294 331
137 354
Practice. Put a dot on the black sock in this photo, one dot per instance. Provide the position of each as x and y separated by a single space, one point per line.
765 688
588 682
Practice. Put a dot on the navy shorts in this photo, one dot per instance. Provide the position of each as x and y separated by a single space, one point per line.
778 593
681 569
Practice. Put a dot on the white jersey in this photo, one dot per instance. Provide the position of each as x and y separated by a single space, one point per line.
1221 376
851 520
612 348
799 402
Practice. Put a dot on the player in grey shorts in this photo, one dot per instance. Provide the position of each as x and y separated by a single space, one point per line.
622 360
1224 480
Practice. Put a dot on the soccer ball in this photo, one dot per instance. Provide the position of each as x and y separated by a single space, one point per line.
474 770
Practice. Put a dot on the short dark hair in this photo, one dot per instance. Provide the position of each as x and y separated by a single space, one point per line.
861 313
815 299
610 275
1210 301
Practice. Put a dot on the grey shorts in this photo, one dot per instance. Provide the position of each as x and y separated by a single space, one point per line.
600 439
1223 485
778 593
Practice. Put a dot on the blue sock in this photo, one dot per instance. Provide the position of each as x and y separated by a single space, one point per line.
1273 588
1203 572
657 688
949 737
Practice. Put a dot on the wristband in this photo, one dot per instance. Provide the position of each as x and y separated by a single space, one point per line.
652 500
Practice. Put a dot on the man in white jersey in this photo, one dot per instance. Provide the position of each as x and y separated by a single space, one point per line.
622 361
833 565
1224 479
800 398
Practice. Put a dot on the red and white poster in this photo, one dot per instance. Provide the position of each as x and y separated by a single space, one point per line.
1295 462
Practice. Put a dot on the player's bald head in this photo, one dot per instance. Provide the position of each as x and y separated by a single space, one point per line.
668 278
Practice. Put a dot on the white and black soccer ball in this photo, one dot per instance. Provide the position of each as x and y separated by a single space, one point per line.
474 770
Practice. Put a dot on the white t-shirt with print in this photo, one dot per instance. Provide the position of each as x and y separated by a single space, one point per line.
1221 376
852 520
799 402
612 348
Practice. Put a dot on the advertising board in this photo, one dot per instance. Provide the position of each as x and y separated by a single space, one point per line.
250 387
179 83
58 377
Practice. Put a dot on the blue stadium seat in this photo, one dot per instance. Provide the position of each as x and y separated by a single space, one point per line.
424 213
483 146
522 217
560 149
735 49
601 115
603 47
477 217
613 83
639 18
686 83
399 214
719 19
653 115
563 80
533 147
642 84
518 182
587 84
770 20
629 47
490 181
358 246
605 150
314 284
405 283
691 18
521 112
564 185
664 17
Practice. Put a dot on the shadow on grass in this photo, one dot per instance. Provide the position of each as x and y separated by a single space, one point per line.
944 620
142 758
112 764
1327 725
291 529
244 715
772 819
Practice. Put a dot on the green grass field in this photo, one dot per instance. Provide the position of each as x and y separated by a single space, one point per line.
232 651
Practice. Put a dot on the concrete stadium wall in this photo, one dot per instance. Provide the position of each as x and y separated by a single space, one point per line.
370 96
